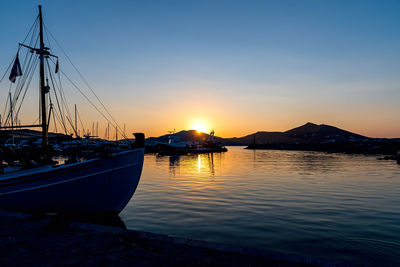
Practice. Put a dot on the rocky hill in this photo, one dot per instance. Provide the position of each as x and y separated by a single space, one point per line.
308 133
309 136
322 137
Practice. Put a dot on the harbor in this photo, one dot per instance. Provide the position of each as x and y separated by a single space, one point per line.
200 133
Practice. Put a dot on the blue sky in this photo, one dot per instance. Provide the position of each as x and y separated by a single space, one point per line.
238 66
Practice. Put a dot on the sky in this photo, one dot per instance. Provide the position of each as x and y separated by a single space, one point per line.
233 66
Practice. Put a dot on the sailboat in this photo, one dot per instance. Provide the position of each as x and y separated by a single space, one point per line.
102 184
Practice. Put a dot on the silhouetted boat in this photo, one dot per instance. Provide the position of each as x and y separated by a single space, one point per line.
32 182
99 185
175 146
209 146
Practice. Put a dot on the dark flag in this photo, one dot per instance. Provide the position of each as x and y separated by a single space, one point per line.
16 70
56 67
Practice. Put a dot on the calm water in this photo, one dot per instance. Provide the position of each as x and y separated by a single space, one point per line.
325 205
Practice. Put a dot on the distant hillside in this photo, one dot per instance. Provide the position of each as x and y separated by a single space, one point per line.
310 136
308 133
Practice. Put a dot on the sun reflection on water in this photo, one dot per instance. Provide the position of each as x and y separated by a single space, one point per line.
198 163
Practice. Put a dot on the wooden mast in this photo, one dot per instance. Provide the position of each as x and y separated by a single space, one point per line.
41 53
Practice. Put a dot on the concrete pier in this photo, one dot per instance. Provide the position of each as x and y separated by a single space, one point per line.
26 240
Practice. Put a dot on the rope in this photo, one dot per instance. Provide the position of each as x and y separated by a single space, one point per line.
87 84
80 91
64 102
27 68
9 66
34 23
27 85
58 103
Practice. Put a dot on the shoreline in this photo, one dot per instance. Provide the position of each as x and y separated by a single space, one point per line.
34 241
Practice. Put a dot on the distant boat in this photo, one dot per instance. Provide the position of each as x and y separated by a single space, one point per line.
210 145
31 182
175 146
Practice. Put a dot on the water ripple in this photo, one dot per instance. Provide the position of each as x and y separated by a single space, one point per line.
327 205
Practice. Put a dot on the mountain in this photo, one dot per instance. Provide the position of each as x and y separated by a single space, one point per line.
308 133
310 136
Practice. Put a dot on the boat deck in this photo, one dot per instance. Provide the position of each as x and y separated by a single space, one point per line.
29 241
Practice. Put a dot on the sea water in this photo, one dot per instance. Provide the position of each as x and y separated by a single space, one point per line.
332 206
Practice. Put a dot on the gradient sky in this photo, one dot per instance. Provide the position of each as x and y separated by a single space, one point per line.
236 66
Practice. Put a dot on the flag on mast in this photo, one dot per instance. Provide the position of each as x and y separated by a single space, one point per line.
16 70
56 67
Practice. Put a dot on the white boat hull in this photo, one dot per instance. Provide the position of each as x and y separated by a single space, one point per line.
103 185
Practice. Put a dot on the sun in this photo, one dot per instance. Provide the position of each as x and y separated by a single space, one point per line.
199 127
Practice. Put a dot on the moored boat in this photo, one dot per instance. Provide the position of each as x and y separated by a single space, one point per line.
175 146
99 185
100 180
210 145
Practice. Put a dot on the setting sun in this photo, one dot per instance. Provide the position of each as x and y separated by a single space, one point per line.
200 127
